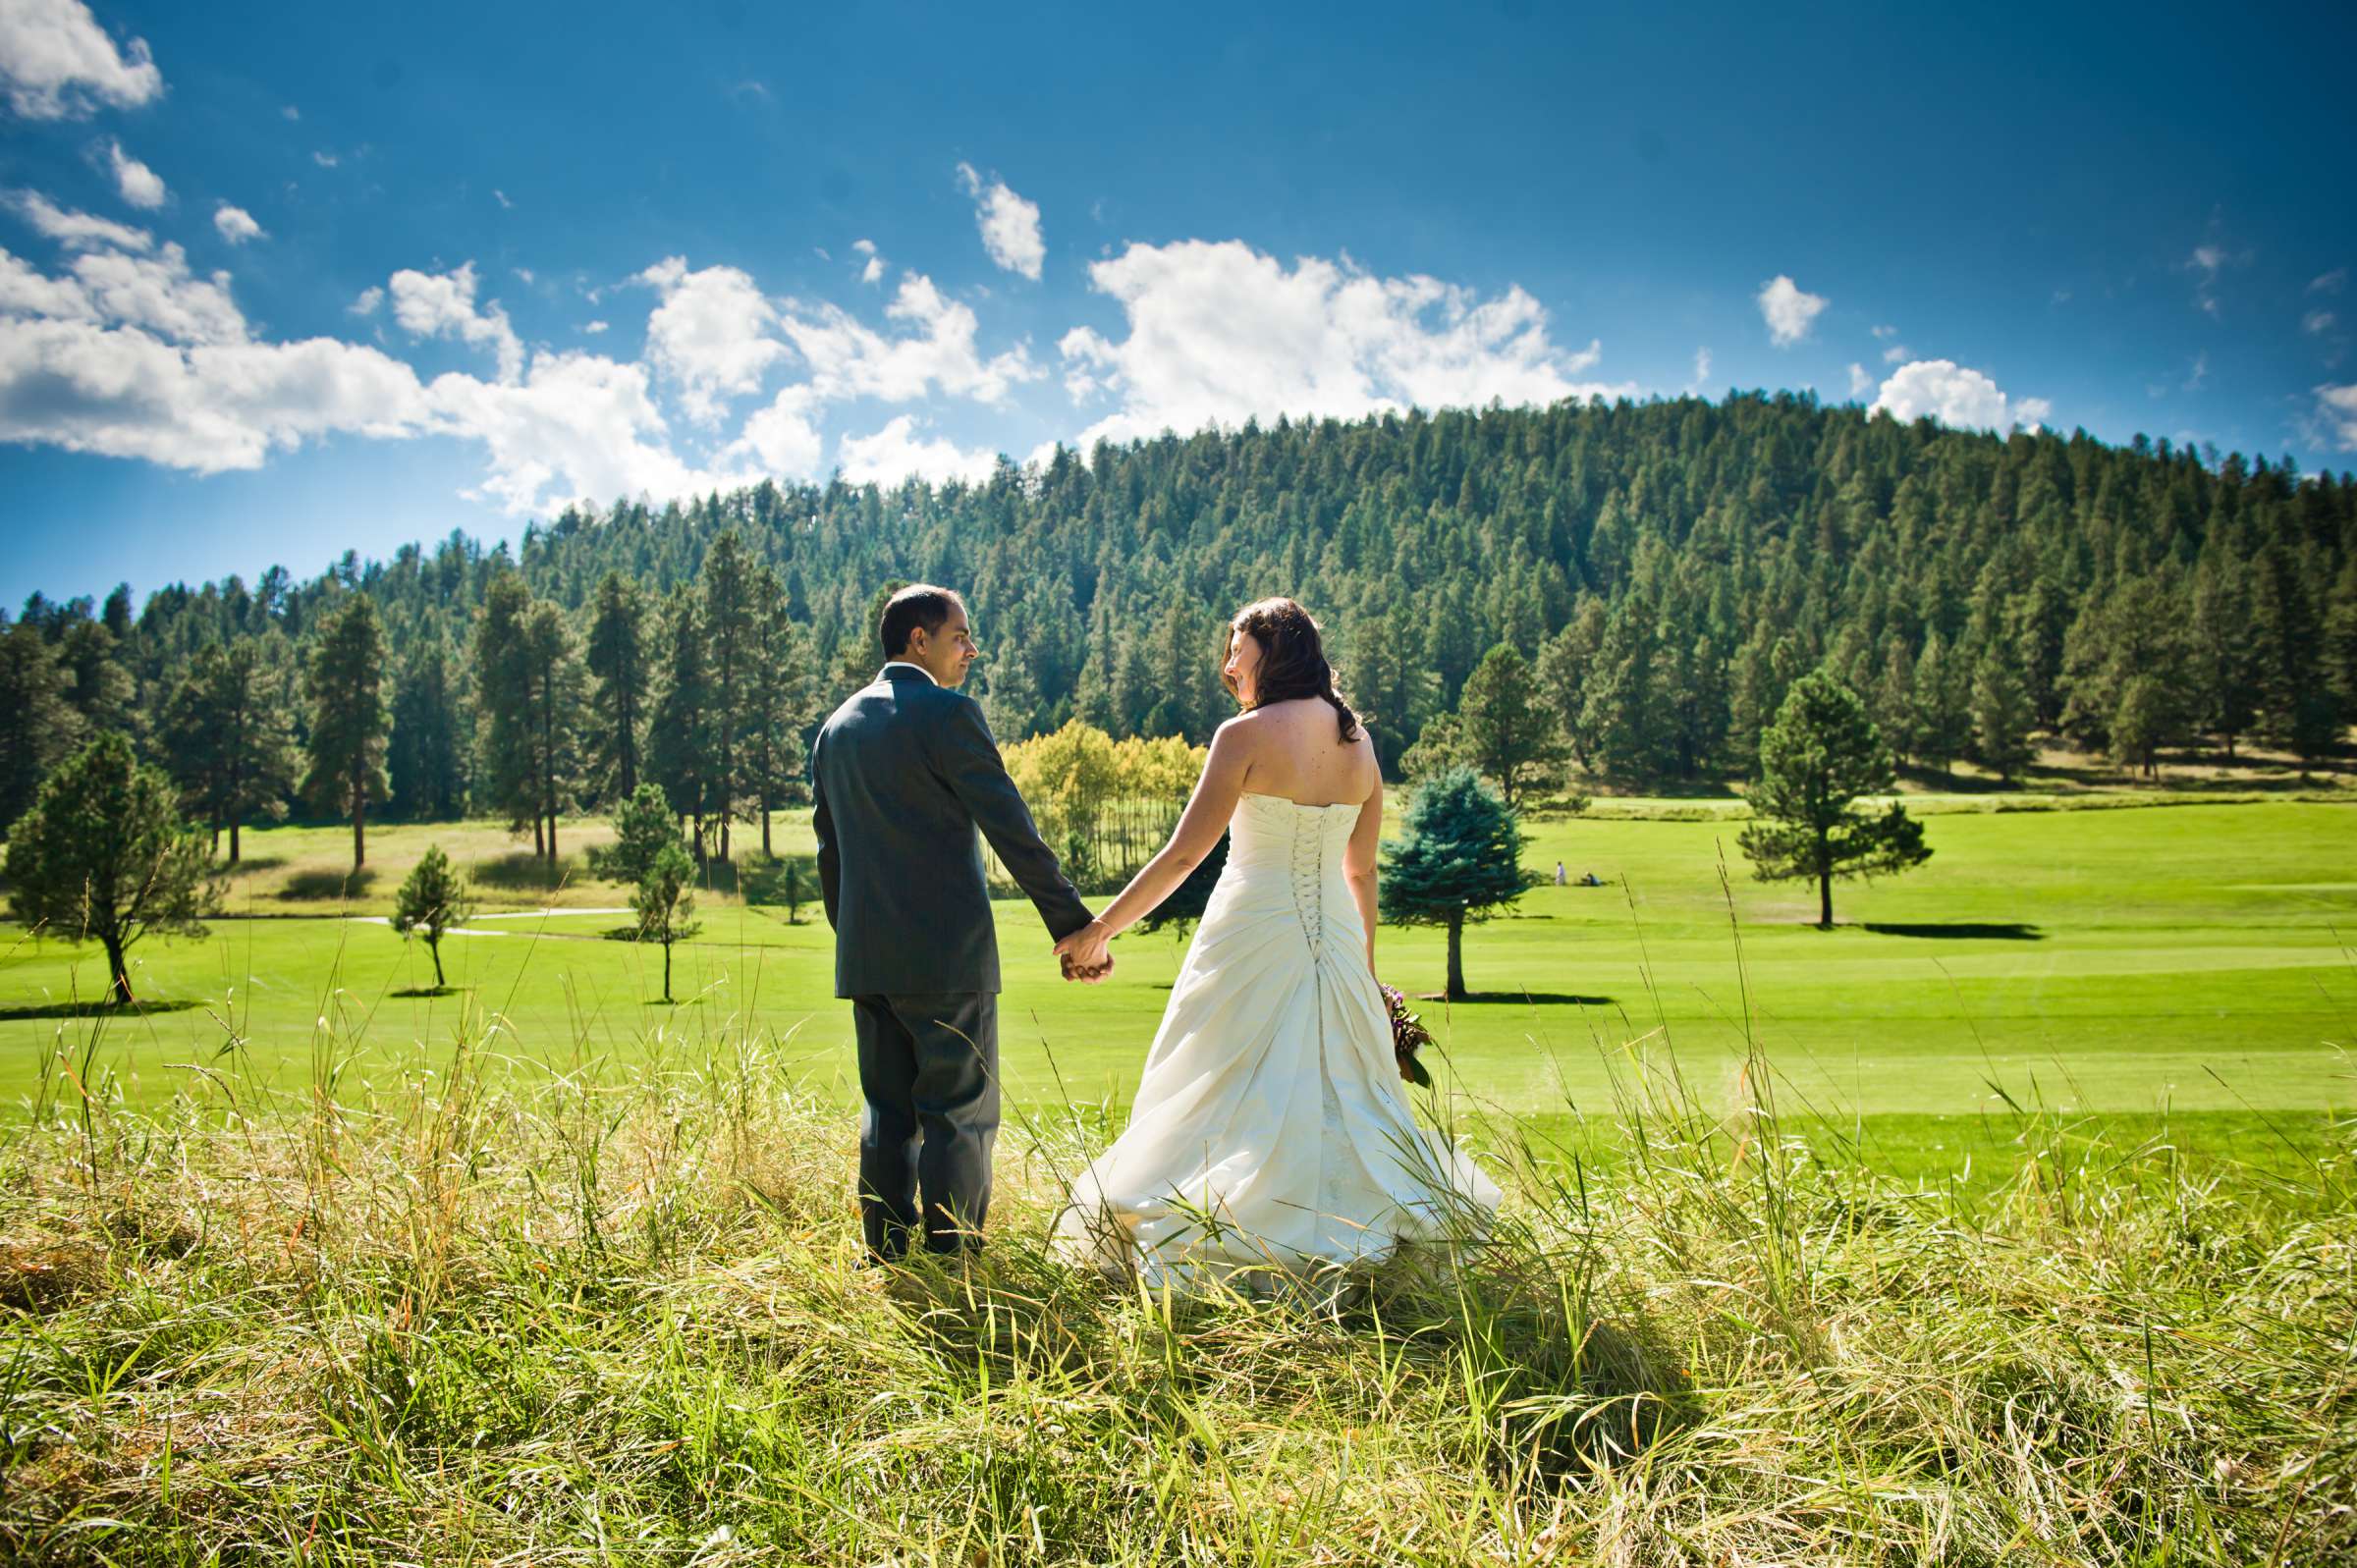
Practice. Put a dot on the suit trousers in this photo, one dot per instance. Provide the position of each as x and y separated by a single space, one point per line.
929 1069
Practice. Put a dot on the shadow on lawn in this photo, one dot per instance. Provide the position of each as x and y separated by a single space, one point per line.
1967 930
1547 998
314 887
94 1010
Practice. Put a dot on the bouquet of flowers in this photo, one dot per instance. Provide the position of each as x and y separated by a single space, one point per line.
1409 1034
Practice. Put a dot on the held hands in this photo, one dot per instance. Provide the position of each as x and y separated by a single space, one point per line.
1085 954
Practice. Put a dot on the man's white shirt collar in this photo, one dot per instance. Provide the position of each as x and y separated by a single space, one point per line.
905 665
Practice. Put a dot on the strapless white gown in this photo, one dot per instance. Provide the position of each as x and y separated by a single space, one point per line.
1271 1130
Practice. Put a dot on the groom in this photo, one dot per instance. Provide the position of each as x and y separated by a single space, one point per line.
901 776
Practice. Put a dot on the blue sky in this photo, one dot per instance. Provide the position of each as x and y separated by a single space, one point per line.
282 281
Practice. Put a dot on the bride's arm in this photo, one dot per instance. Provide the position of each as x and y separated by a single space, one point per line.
1198 832
1359 859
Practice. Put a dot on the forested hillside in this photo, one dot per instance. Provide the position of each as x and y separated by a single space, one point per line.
1668 568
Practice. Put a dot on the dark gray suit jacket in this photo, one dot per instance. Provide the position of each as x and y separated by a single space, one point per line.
900 775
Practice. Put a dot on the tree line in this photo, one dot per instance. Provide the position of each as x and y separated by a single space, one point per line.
1663 572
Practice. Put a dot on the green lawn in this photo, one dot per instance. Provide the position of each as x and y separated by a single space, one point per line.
2186 961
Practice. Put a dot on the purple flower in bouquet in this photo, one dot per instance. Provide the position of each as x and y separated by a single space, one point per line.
1409 1034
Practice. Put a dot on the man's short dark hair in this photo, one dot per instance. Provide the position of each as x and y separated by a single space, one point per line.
920 604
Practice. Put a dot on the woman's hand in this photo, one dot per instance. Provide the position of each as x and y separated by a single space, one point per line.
1086 954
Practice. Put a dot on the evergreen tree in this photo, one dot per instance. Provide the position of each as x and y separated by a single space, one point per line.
618 662
552 694
349 720
679 749
1816 760
432 900
1943 708
643 823
2000 718
99 689
227 736
1565 665
103 853
37 725
663 903
1505 726
782 703
1459 860
504 778
426 758
729 665
2222 652
1624 717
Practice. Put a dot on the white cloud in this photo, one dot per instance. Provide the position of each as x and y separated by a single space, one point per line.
141 186
130 357
2317 321
894 454
442 305
593 328
850 359
1788 310
365 306
1886 332
873 272
2330 282
1009 225
1955 395
577 427
237 225
2205 262
781 437
2336 413
1860 382
159 293
290 112
866 248
1702 369
1219 332
325 159
524 276
76 231
501 196
2199 374
711 336
1897 353
59 63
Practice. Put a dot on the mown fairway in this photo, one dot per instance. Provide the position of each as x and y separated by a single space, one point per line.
2125 962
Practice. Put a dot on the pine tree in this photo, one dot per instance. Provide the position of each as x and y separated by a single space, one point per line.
504 773
103 853
729 638
432 900
679 749
1505 725
1565 665
2000 718
349 720
552 693
38 727
100 689
782 703
1943 708
426 758
2222 652
227 735
1816 760
1458 861
619 663
663 903
643 823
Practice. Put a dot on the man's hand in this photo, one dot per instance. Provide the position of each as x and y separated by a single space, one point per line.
1085 954
1073 971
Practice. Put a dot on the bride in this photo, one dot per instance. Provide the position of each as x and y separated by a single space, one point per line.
1270 1134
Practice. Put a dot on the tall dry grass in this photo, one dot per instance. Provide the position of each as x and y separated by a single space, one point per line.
465 1309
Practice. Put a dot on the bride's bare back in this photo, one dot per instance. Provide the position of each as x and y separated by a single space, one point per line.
1296 751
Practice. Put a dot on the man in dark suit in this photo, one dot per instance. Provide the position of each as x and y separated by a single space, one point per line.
902 775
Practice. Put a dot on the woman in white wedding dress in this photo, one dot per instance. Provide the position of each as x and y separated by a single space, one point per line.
1270 1131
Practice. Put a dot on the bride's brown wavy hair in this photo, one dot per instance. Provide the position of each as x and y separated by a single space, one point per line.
1292 658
